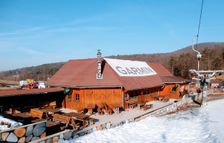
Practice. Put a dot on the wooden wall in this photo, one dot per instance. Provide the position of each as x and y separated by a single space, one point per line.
168 92
110 96
144 95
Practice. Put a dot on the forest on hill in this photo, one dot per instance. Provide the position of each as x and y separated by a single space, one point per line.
178 62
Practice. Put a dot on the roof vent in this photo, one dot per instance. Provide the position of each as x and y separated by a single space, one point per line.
99 65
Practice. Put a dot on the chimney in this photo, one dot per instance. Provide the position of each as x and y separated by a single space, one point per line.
99 65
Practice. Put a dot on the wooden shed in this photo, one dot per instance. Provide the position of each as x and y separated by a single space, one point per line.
24 100
173 87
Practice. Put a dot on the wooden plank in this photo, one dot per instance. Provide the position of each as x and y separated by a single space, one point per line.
77 115
36 113
52 110
61 118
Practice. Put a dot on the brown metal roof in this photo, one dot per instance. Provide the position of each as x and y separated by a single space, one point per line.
160 69
165 75
82 73
9 82
14 92
173 79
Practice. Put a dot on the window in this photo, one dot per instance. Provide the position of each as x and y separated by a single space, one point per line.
174 88
69 97
77 97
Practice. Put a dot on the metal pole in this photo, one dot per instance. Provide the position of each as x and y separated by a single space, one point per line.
198 65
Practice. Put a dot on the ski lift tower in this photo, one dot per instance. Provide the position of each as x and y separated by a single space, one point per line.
202 78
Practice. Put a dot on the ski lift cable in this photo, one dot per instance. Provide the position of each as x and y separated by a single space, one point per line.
197 36
199 26
199 23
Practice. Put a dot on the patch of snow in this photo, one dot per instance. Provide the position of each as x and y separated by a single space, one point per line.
66 110
10 123
216 117
198 125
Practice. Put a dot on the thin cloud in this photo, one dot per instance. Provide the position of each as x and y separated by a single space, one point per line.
31 51
22 31
82 24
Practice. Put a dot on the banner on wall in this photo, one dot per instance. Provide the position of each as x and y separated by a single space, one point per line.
130 68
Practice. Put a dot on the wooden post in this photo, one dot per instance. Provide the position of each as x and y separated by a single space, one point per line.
122 94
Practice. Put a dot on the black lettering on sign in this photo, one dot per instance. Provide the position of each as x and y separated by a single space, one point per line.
140 70
121 70
134 70
129 71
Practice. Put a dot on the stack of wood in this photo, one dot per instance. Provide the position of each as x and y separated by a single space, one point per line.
80 119
25 118
91 108
45 113
74 120
25 133
131 103
36 113
103 108
66 120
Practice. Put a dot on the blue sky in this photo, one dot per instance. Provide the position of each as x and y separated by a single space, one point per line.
34 32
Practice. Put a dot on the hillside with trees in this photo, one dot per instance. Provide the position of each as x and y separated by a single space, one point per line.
178 62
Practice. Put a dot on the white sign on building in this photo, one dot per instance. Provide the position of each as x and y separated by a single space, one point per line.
130 68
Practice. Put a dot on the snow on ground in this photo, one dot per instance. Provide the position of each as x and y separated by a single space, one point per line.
216 117
11 123
65 110
198 125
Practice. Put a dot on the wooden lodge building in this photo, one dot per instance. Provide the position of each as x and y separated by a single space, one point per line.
117 83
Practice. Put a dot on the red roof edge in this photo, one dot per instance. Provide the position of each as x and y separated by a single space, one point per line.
14 92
